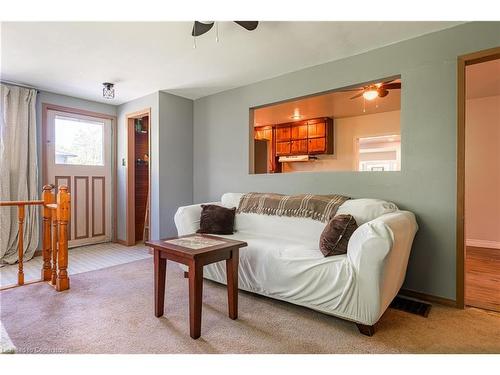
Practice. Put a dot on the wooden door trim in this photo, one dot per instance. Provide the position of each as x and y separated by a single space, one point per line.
114 162
130 174
462 62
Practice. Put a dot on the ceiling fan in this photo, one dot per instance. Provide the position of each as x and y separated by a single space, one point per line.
200 28
376 90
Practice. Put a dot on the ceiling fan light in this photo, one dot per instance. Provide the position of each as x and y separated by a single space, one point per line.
370 94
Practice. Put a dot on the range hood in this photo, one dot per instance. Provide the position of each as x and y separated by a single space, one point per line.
294 158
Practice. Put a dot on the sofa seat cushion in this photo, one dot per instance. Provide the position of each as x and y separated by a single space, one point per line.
289 270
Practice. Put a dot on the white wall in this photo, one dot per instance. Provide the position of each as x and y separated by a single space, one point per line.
482 170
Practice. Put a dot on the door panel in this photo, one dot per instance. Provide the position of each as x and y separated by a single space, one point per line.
80 197
98 201
78 154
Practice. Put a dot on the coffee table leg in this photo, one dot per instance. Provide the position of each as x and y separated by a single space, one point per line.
160 276
195 299
232 283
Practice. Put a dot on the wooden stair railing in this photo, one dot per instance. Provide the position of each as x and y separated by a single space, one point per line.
56 215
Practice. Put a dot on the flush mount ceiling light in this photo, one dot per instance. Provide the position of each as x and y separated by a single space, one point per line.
296 115
108 90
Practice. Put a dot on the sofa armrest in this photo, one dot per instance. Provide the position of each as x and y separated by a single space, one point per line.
187 218
379 251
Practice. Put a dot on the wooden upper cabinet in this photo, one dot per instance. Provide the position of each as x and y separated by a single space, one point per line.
283 148
299 131
316 145
317 129
264 132
298 147
283 133
314 136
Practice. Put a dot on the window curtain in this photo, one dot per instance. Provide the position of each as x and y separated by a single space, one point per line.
18 170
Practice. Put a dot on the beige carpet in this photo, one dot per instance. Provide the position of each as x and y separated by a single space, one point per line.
111 311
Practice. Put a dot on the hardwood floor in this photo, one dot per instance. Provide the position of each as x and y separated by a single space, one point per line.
482 278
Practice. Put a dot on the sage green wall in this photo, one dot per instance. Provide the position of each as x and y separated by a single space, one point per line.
171 144
427 183
175 150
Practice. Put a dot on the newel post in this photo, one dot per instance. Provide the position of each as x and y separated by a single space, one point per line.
48 198
63 216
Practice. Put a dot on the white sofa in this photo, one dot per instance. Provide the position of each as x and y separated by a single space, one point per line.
283 259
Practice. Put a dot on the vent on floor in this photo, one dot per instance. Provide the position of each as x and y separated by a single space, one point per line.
412 306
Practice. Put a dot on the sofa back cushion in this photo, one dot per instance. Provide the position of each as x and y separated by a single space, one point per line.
304 230
366 209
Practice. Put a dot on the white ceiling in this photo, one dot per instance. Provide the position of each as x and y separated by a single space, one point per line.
144 57
334 104
483 79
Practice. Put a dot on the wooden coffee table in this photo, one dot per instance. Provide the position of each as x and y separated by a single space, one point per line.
196 251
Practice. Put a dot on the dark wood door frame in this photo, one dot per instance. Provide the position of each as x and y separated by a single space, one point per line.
463 61
130 180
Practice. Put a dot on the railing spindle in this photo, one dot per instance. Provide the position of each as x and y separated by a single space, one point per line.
20 245
53 278
48 198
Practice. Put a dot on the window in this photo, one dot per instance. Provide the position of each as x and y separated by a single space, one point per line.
79 141
380 154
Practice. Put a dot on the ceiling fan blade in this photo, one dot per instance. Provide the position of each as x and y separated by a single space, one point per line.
382 92
349 90
200 28
249 25
358 95
392 86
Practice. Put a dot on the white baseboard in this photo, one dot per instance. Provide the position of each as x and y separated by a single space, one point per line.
483 243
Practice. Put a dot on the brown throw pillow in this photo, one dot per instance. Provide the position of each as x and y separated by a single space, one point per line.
216 219
335 236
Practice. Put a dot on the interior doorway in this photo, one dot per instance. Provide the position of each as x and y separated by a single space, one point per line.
478 208
138 176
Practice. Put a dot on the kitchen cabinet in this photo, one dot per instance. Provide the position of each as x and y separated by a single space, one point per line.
299 147
307 137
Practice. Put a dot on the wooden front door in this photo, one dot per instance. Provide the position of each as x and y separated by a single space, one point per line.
78 154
